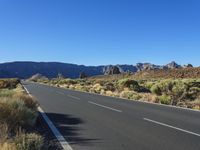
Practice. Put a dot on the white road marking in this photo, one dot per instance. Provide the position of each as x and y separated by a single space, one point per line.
55 131
74 97
104 106
169 126
65 145
27 91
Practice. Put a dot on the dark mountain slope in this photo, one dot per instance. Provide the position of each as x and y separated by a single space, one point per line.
52 69
48 69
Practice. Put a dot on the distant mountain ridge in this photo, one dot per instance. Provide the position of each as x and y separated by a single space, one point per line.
27 69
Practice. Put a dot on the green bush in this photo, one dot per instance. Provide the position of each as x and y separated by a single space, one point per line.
164 99
156 90
127 82
130 95
131 84
135 97
148 85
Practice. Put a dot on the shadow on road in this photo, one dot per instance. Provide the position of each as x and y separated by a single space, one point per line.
69 127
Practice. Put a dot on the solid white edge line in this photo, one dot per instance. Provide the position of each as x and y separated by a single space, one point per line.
169 126
65 145
104 106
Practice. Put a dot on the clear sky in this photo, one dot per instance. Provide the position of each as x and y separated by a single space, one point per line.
94 32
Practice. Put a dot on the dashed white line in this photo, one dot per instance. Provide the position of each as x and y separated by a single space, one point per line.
65 145
74 97
104 106
169 126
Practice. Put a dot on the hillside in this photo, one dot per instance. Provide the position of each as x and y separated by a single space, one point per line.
52 69
48 69
182 73
172 73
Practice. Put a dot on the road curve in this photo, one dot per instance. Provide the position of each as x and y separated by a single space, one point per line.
94 122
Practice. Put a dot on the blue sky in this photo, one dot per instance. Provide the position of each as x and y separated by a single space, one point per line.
94 32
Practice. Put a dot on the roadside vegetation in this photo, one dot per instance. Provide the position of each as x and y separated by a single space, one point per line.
183 92
18 114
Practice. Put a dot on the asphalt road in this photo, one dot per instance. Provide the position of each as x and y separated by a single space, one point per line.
94 122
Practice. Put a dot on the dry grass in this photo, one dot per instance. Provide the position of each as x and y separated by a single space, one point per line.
9 83
17 111
29 141
4 130
8 146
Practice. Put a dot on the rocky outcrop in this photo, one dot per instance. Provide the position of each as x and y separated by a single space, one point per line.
147 66
172 65
188 66
110 70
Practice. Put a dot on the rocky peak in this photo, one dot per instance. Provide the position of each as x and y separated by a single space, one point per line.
172 65
146 66
188 66
110 70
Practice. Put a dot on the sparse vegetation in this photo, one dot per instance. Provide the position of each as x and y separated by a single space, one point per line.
183 92
8 83
18 112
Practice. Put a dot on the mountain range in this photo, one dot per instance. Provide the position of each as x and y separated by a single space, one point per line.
25 69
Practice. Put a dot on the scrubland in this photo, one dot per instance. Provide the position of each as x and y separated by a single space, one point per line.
18 114
174 87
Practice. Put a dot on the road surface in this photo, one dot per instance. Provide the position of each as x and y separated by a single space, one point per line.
94 122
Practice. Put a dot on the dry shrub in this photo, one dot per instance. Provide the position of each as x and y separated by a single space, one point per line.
29 101
4 132
9 83
97 88
110 93
7 146
29 141
81 88
72 87
130 95
6 93
150 98
15 113
109 87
